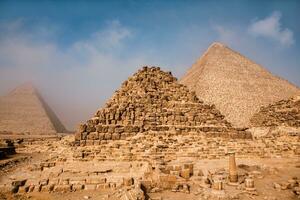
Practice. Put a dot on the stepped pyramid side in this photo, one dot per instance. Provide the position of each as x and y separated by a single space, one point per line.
282 113
236 85
24 111
152 100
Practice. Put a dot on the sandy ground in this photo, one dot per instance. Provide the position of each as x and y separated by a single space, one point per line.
269 171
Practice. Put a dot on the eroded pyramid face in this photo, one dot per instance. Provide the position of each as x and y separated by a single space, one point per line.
151 100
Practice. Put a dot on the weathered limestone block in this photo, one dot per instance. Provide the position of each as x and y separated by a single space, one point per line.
90 128
93 136
62 188
77 180
107 136
82 128
84 135
167 181
77 187
44 182
89 142
127 181
23 189
185 173
90 186
95 180
115 136
102 186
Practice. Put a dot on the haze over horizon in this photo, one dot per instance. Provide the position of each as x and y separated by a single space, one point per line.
78 53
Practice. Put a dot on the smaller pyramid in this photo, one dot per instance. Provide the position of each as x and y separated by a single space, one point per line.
282 113
23 110
152 100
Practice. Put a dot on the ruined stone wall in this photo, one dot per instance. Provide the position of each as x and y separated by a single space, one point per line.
164 147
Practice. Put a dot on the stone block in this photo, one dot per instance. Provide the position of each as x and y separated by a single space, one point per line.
77 181
62 188
89 142
90 186
44 182
127 181
185 173
82 128
23 189
64 181
115 136
93 136
77 187
102 186
101 136
107 136
95 180
84 135
18 183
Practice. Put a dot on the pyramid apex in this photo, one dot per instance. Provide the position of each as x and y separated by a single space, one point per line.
217 44
25 87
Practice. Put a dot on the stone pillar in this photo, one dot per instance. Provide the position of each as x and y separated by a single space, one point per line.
233 175
249 184
217 185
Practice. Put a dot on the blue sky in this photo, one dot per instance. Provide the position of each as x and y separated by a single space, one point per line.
78 52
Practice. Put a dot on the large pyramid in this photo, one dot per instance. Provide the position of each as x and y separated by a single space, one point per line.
236 85
153 101
24 111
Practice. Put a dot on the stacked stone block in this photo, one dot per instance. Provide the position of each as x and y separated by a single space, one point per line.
282 113
152 100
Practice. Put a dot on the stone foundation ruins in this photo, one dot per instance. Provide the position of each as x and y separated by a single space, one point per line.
152 137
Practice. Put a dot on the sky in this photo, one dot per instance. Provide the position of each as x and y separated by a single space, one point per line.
77 53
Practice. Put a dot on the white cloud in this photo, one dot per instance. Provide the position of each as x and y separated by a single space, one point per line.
271 27
226 34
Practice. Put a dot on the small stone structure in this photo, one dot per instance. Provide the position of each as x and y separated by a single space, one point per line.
153 100
6 148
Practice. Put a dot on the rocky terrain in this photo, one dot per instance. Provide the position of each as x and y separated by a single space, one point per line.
154 139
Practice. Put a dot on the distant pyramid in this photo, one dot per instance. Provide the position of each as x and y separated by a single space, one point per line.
153 100
24 111
282 113
236 85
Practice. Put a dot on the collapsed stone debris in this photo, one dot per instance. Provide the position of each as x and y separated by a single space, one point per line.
281 113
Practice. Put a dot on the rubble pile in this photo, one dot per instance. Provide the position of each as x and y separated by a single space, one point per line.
153 100
281 113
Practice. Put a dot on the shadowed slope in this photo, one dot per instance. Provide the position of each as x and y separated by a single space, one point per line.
236 85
